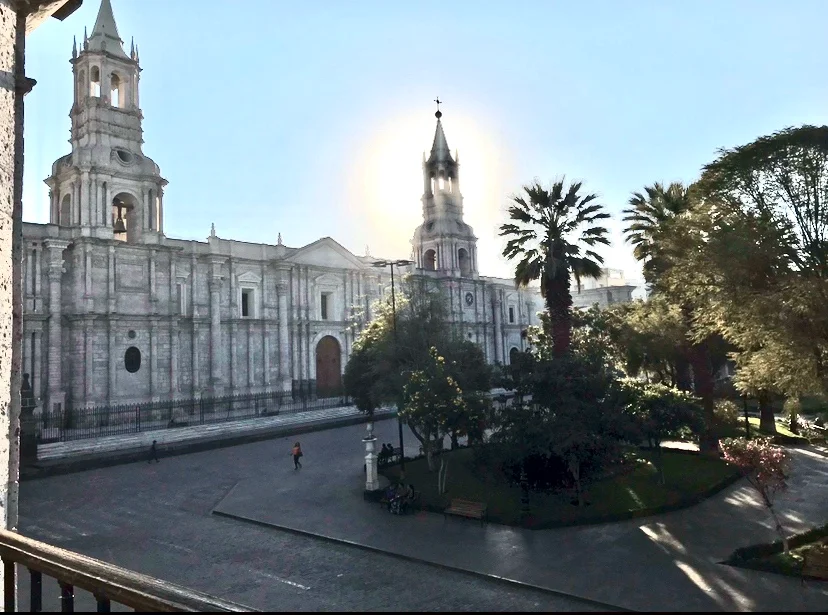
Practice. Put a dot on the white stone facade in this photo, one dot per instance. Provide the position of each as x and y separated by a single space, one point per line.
136 316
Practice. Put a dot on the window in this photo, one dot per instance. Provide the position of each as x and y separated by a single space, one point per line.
181 298
325 306
95 82
132 359
430 260
511 315
115 92
247 302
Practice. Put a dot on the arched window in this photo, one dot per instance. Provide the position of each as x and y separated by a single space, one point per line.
116 93
463 261
95 82
430 260
82 85
132 359
65 211
442 183
449 184
512 353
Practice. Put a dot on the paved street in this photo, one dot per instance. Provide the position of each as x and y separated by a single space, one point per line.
156 519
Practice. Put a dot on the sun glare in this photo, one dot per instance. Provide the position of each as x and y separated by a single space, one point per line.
387 186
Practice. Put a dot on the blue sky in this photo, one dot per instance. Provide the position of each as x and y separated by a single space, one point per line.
309 118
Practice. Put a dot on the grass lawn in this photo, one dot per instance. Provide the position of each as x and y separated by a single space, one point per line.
770 558
686 475
738 430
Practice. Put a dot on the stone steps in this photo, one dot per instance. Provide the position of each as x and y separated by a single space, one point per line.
173 437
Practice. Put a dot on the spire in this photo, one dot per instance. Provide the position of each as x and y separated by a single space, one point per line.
439 150
212 229
74 47
279 240
105 33
85 39
132 47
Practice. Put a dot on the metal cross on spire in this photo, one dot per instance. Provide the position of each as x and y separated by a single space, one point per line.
439 114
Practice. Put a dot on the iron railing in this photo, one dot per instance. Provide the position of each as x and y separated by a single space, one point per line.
72 423
105 582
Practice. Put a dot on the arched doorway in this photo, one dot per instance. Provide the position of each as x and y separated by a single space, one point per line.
328 367
512 354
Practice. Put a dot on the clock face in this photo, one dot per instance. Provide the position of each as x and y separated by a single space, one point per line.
469 298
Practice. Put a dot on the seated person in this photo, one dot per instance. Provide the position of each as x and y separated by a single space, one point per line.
382 457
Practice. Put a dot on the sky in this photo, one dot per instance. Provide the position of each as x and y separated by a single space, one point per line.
310 118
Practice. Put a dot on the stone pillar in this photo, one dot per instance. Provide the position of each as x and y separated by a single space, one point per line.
55 396
234 333
113 362
215 329
88 339
498 336
174 334
251 380
284 342
84 200
371 473
153 359
196 363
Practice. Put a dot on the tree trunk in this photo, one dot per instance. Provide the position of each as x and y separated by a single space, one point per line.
703 386
779 529
683 380
767 422
559 303
660 459
575 470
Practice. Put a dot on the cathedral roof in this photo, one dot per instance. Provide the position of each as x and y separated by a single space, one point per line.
105 33
440 150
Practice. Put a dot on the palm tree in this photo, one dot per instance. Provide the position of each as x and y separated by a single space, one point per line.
550 227
649 218
652 227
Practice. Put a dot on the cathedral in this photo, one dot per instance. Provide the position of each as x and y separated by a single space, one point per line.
115 311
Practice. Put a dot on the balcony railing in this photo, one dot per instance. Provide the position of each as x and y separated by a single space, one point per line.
105 582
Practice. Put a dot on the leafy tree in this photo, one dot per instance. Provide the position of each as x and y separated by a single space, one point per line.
433 403
766 468
663 412
764 204
547 232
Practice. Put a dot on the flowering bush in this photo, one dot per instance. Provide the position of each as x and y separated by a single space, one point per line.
766 468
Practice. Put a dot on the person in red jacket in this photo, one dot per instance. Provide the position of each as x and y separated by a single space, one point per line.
297 453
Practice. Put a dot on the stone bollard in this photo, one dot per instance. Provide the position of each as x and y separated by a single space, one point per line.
371 472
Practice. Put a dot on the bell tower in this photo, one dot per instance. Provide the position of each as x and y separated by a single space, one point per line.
106 187
444 242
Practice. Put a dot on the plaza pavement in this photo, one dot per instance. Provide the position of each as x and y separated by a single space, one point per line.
156 519
668 562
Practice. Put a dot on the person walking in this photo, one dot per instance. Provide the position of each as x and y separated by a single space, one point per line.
296 451
153 454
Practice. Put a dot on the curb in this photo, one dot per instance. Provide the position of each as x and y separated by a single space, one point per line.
410 558
82 463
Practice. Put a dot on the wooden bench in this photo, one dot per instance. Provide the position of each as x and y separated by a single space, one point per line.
815 564
468 509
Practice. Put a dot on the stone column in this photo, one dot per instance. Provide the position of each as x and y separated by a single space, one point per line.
284 342
89 353
153 360
250 370
234 332
196 366
56 396
371 473
111 375
215 328
174 332
498 336
84 203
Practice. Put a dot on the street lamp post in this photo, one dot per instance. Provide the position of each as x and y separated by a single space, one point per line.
392 264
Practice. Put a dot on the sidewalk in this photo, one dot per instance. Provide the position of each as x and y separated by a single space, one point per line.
75 455
668 562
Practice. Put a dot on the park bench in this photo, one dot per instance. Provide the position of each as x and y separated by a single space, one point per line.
468 509
815 563
394 457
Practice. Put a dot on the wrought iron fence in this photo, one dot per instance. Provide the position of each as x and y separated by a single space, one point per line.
73 423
